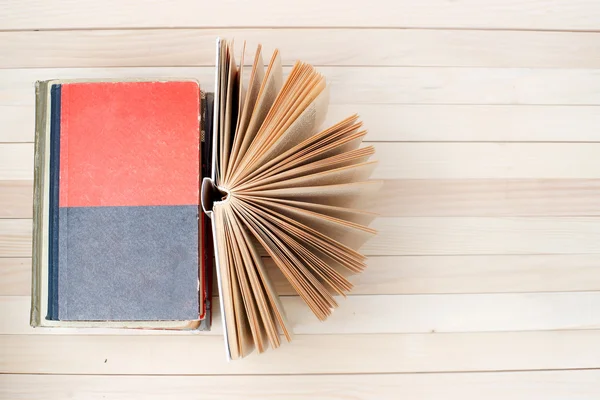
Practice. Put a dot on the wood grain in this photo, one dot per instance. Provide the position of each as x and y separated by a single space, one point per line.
374 353
18 123
352 47
388 85
510 235
489 14
547 385
418 123
472 123
15 276
15 237
16 199
16 162
487 160
488 197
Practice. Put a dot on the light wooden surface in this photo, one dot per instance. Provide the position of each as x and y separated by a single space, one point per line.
485 279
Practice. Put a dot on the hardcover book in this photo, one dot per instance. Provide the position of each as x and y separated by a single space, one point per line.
118 239
142 188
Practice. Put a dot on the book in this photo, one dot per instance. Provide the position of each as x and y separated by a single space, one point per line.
144 187
117 238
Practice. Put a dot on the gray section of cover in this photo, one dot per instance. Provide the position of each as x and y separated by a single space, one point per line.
128 263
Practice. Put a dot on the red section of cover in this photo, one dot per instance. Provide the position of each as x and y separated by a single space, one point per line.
129 144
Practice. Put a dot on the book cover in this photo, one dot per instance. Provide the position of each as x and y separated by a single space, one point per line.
124 233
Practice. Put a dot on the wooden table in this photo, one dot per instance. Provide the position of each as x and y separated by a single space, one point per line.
484 282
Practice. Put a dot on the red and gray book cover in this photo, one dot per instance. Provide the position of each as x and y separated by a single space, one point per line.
125 233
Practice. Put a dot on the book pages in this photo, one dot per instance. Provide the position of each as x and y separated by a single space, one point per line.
287 188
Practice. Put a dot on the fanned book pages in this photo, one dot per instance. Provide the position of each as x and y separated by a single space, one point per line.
282 186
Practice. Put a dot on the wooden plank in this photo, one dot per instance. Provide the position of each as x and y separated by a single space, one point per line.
400 236
474 235
16 199
490 14
419 123
488 197
15 238
425 161
439 313
16 162
15 276
18 123
388 85
486 160
405 47
376 353
367 314
428 198
468 123
418 275
547 385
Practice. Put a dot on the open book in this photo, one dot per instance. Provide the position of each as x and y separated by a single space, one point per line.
281 186
143 187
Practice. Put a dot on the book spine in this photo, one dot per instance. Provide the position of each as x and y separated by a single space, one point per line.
38 199
206 231
55 116
201 220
